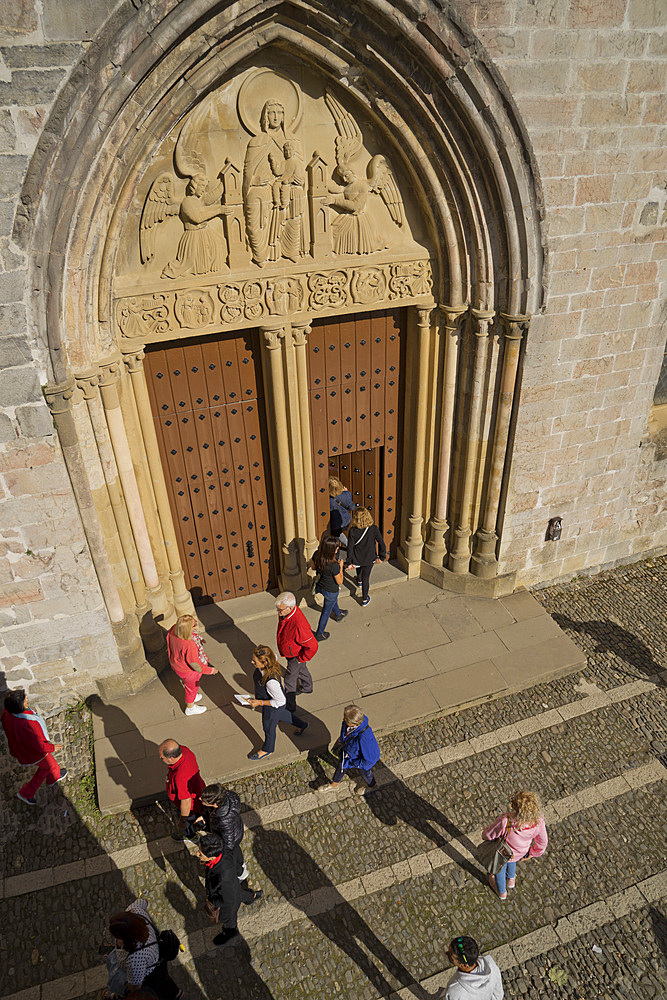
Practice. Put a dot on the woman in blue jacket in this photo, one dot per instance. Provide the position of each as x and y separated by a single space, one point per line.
358 749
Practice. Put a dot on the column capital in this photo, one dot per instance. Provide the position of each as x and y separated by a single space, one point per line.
300 333
482 317
424 314
515 325
58 395
453 314
88 382
134 361
109 371
273 335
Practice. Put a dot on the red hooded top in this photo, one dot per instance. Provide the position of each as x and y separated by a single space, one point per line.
295 637
26 735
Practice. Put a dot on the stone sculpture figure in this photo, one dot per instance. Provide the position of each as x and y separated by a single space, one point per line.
289 208
354 231
263 166
199 250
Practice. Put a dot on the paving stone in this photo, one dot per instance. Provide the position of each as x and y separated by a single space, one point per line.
401 855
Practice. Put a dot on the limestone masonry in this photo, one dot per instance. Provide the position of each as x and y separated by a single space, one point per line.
213 213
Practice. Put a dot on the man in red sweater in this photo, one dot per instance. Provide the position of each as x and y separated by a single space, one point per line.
29 743
297 644
184 783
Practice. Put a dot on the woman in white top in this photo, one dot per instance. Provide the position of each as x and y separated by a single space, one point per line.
138 953
270 697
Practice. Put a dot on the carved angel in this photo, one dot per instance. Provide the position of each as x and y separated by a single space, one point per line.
159 205
199 250
353 230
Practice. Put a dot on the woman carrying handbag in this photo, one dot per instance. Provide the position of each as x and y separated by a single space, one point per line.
517 834
270 697
365 547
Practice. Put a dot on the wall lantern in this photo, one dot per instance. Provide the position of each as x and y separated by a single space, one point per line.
554 529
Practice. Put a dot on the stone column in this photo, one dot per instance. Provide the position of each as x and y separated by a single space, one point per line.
290 572
436 546
109 378
158 597
88 382
292 404
182 599
103 477
300 337
125 628
414 543
459 556
484 562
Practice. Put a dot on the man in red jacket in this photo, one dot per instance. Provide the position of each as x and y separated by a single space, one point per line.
184 784
29 743
297 644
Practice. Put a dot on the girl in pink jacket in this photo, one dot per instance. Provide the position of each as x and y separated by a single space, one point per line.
523 830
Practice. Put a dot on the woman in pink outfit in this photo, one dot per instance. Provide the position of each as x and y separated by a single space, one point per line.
523 830
188 659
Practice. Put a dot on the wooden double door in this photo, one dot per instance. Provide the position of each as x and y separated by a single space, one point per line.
356 393
208 406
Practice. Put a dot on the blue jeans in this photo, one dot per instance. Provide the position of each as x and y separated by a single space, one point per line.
368 776
330 604
508 871
270 719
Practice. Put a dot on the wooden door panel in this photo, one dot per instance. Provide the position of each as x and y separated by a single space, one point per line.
334 418
206 394
254 420
348 411
359 435
318 423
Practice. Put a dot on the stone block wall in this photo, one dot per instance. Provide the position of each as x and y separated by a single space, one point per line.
589 78
55 637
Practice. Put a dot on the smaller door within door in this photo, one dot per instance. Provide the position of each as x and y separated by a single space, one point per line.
360 473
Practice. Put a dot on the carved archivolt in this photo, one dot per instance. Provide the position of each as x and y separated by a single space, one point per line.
268 198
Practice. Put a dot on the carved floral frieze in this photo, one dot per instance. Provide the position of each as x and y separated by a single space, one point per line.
236 304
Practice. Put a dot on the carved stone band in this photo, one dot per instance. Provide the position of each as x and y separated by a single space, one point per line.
232 305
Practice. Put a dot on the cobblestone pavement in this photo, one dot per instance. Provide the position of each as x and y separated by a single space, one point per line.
363 895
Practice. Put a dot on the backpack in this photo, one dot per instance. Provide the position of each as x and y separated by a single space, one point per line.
169 945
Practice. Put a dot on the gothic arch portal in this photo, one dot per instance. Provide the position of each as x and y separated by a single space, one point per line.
393 109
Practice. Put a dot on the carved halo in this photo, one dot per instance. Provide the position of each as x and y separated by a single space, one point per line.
259 87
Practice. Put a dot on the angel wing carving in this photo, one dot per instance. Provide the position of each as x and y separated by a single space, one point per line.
158 206
348 140
383 182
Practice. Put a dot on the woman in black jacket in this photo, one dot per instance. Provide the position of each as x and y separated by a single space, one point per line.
221 815
224 891
365 547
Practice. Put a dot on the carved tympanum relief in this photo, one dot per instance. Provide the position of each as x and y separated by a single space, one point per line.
266 203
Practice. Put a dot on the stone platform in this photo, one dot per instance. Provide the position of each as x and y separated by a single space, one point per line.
415 652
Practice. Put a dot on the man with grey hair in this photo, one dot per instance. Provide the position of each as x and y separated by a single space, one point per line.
297 644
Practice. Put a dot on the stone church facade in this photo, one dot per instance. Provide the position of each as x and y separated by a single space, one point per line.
417 245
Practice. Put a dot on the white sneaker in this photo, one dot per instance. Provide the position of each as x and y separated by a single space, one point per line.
195 709
198 696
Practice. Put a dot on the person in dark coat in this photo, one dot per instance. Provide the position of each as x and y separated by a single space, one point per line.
329 568
224 891
365 547
358 750
221 814
341 506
